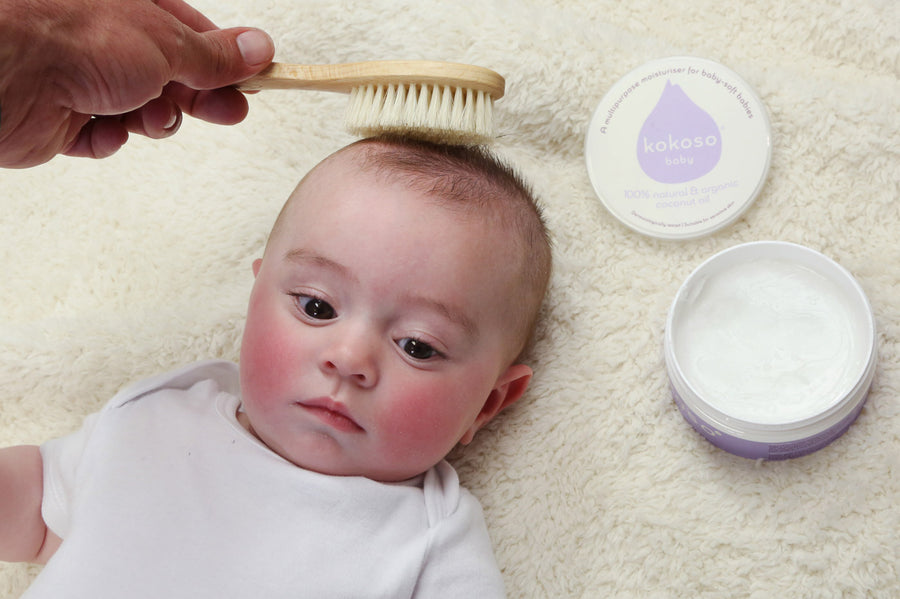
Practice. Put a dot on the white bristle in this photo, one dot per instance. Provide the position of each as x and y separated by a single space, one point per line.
437 113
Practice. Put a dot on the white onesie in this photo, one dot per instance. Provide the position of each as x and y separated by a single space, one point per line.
163 494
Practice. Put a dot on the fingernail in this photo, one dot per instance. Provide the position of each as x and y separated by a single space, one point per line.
174 123
256 47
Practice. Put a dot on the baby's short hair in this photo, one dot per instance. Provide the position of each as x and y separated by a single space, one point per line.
475 182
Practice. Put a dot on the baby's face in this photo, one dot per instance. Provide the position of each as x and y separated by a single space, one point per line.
378 334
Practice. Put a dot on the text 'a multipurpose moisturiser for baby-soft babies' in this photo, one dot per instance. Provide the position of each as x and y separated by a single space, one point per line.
771 350
678 148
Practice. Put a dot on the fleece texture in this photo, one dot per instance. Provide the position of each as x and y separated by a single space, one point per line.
593 484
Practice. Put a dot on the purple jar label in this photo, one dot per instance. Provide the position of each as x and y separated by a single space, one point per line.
755 450
679 141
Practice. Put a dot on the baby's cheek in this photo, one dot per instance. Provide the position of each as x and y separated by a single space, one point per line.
264 361
423 422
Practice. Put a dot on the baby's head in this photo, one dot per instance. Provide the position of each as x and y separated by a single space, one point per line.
399 286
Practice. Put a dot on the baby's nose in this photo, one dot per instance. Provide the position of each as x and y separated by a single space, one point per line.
352 358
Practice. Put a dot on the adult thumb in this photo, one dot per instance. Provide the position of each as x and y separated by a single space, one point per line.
221 57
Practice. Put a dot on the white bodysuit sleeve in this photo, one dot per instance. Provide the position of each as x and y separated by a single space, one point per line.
460 560
61 458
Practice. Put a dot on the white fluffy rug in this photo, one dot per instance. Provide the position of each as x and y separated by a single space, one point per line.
593 485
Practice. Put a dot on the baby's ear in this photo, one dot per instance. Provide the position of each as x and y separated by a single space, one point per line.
256 264
509 388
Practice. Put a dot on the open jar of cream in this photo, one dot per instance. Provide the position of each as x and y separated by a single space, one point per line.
770 349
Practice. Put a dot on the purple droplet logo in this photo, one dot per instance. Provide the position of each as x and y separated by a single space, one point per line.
679 140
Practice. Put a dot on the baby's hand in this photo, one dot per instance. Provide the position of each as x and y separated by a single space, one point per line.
22 529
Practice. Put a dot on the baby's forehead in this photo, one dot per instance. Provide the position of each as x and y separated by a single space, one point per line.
351 163
464 193
370 164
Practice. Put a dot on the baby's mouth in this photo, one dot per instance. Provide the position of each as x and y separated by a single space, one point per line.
332 413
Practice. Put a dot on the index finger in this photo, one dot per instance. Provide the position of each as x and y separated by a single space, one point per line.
187 14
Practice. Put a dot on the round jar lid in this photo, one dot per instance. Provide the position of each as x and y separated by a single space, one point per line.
678 148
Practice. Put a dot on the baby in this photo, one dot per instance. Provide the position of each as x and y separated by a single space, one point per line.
398 289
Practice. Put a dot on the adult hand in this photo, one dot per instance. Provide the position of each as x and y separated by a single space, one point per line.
76 76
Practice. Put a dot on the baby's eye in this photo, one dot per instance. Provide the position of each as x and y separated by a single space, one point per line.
315 307
417 349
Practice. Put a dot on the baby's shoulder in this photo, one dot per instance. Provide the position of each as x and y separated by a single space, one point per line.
221 374
446 498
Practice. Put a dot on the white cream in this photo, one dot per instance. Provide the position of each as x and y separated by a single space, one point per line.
769 341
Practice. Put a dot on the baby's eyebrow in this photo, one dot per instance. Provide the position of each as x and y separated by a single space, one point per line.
305 256
451 313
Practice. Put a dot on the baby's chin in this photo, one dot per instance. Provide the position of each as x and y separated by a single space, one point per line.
330 467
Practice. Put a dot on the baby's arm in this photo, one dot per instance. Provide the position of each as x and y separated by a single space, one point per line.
23 535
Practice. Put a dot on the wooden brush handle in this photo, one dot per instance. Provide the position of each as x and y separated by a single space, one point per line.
344 77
